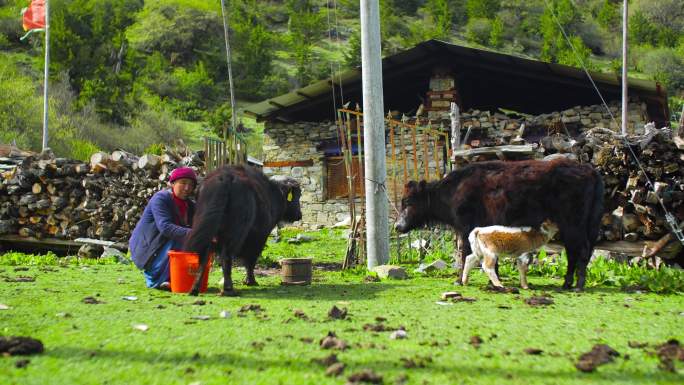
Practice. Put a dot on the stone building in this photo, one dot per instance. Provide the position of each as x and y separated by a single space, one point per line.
496 94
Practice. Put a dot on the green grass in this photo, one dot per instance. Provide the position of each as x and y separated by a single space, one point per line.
98 344
326 246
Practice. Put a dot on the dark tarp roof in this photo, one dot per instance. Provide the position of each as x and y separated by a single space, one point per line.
486 80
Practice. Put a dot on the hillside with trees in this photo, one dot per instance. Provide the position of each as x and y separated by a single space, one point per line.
134 74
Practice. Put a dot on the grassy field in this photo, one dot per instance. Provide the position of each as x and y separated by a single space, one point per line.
99 344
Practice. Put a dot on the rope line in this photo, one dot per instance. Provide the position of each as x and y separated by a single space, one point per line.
671 220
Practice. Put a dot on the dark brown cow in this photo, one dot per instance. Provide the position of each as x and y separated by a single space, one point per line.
521 193
239 206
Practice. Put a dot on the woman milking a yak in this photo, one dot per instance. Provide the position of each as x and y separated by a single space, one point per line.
237 207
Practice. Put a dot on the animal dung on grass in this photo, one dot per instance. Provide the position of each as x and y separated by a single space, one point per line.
20 346
335 369
668 353
327 360
332 342
533 351
600 354
337 313
365 376
476 341
539 301
92 301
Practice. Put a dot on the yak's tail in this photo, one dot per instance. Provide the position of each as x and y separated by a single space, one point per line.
596 210
208 215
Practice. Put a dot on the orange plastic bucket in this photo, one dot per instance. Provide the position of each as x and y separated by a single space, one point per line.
184 269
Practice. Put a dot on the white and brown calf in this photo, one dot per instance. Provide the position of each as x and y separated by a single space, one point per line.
489 243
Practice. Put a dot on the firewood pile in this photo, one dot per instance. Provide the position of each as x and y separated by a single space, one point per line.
632 208
44 196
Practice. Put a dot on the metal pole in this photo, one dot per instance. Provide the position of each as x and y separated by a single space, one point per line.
46 75
377 218
624 69
233 113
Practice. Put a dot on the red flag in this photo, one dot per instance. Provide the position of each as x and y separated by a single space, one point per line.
34 15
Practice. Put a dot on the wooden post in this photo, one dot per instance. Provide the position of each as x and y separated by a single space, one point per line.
377 219
455 117
403 148
415 151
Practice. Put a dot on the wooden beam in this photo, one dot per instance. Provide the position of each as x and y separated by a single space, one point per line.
290 163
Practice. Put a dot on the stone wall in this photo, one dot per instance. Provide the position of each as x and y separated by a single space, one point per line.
292 142
296 142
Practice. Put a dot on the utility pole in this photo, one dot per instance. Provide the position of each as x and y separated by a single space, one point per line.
47 74
233 113
624 69
377 215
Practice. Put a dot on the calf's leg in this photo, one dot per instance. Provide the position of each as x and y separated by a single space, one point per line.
488 265
470 262
226 266
523 262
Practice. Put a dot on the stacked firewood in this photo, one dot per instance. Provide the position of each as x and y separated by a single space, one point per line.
633 209
60 198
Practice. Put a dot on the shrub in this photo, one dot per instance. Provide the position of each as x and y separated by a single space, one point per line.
479 30
665 66
82 149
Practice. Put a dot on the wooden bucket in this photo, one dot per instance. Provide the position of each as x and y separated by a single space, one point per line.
296 271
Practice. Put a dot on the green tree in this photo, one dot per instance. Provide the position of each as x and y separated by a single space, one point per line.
555 46
352 56
496 34
89 43
485 9
306 27
441 18
609 15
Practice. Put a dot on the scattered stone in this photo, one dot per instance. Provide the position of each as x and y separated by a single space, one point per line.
21 269
600 354
327 360
450 294
443 303
91 301
476 341
224 314
337 313
390 271
63 315
332 342
22 363
130 298
90 251
668 353
335 369
398 335
20 346
366 375
201 317
141 327
4 307
539 301
637 345
434 266
533 351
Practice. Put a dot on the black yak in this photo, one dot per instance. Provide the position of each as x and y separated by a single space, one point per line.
524 193
238 206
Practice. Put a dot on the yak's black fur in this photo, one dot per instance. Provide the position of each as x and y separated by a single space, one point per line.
521 193
239 206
